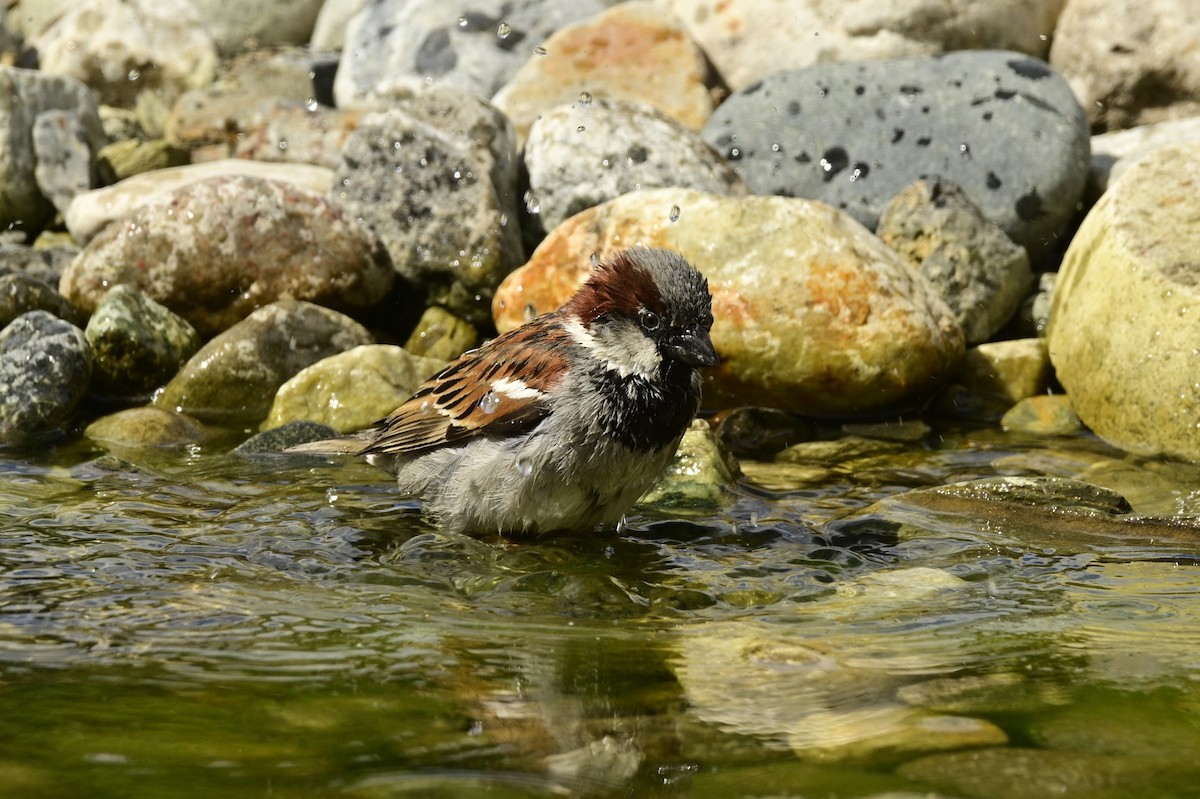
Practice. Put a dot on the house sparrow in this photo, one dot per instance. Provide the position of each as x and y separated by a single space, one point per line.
562 423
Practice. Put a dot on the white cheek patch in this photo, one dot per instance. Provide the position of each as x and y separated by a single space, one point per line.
514 388
624 351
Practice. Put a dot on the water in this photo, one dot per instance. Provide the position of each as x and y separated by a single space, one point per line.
195 624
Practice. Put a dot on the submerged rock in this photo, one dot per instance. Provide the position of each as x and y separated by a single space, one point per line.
232 379
45 369
140 428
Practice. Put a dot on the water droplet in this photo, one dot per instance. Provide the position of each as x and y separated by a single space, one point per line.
134 74
530 311
463 22
490 402
426 407
594 259
311 104
674 213
532 204
524 467
503 30
539 50
580 129
585 99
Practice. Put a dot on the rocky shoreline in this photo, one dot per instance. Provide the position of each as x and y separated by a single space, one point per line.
221 220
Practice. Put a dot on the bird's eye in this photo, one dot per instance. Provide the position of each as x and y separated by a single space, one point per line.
649 320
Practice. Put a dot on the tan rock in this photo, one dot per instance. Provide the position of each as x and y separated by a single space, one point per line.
1122 332
634 51
1012 370
813 312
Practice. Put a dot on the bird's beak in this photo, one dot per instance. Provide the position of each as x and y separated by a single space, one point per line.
693 347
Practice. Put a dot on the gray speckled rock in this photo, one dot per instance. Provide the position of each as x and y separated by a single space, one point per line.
401 43
585 153
277 439
214 251
24 94
234 377
981 274
434 178
137 344
65 161
255 23
1003 126
46 265
45 368
20 293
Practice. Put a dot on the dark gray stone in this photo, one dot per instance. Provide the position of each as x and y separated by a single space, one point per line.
20 294
1003 126
137 344
46 265
65 161
233 378
407 44
980 273
277 439
435 180
45 368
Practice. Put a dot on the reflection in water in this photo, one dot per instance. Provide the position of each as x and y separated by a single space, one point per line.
247 627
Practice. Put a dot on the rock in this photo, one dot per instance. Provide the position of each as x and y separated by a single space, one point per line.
829 700
1011 370
813 313
214 251
64 156
91 212
122 48
137 344
908 431
1044 415
215 124
406 45
24 96
983 694
353 389
750 39
120 124
31 18
434 179
1129 366
124 159
700 479
609 57
838 452
1033 317
20 294
855 135
233 378
977 269
441 335
1112 152
1037 773
46 265
277 439
1130 65
45 367
258 23
760 433
329 31
582 154
140 428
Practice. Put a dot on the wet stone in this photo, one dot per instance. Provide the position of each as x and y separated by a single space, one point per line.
701 476
968 117
124 159
353 389
291 434
980 273
46 265
137 344
20 293
442 335
1043 415
45 368
1011 370
233 378
149 427
756 432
